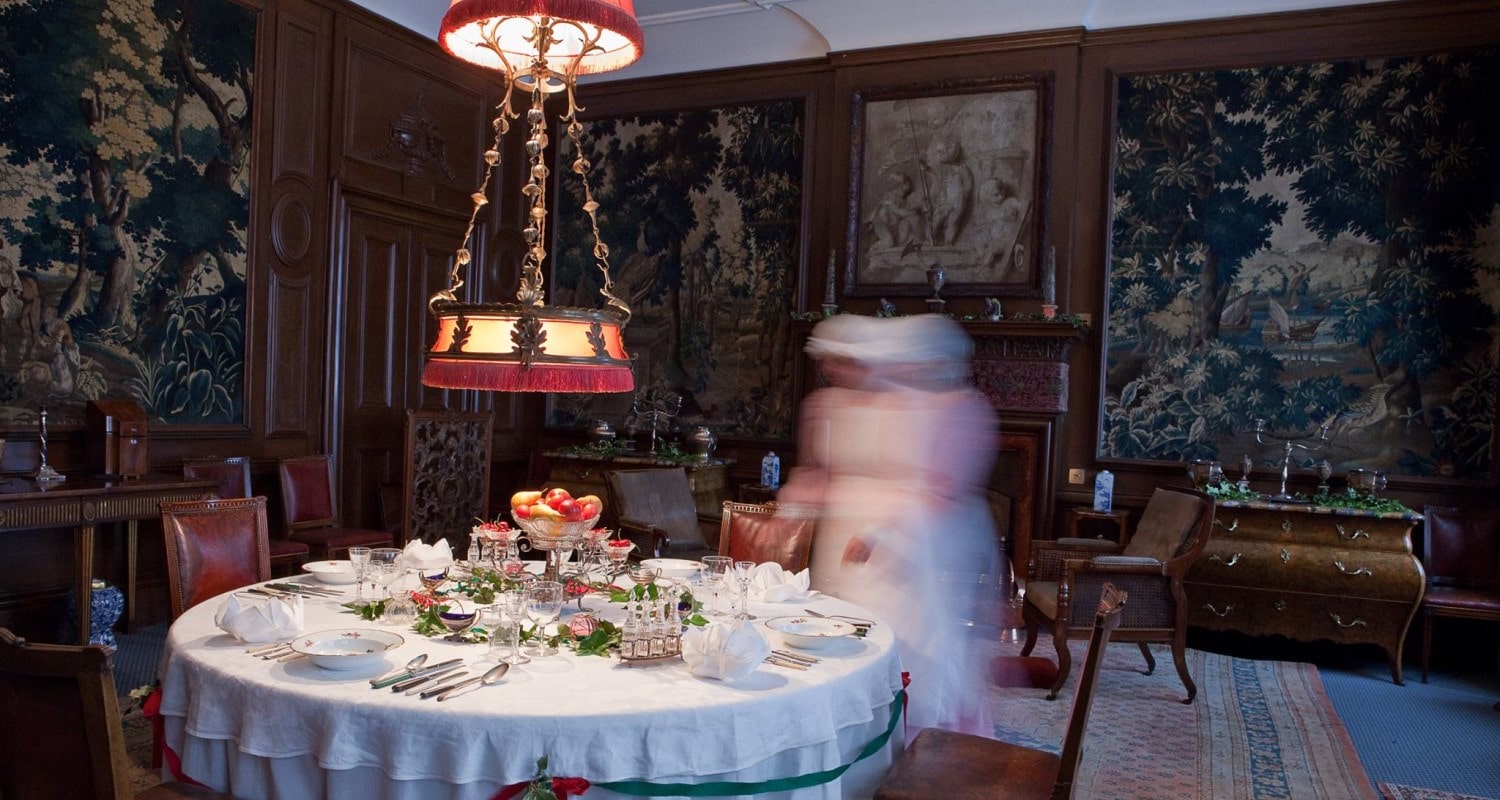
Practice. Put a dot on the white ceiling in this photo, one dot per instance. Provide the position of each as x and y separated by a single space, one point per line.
693 35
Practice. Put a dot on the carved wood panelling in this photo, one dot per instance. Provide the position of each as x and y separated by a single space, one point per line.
446 487
291 338
300 55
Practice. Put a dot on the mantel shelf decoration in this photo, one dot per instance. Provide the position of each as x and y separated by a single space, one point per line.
526 346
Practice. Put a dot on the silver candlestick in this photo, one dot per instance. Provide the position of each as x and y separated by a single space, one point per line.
936 280
1288 444
44 471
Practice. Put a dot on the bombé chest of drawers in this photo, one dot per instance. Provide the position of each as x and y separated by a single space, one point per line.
1309 573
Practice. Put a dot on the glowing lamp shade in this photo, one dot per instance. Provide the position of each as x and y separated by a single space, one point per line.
492 32
509 348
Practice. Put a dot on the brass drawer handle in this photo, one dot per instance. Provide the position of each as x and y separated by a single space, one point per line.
1286 524
1351 536
1234 559
1286 556
1216 612
1353 623
1347 571
1235 523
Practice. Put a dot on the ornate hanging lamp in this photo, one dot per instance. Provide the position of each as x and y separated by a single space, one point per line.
541 46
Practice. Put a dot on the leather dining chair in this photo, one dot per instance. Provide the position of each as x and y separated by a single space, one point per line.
1461 555
655 510
214 546
233 477
311 516
960 766
63 736
1067 573
762 532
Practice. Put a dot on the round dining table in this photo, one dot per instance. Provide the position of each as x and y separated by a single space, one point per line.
266 728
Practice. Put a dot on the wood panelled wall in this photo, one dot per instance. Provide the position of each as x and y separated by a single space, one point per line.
367 147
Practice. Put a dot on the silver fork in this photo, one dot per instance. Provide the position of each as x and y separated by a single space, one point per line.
809 660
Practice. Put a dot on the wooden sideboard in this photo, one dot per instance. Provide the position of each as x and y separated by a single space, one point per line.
1309 573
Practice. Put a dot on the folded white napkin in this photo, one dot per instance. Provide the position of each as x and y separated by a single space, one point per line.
769 583
276 618
420 555
724 651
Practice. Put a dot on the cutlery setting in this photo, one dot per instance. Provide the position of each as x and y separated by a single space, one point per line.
790 660
861 626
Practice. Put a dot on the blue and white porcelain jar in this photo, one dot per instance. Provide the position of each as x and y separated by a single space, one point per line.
107 606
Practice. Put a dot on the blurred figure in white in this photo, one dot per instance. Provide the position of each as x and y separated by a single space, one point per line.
895 452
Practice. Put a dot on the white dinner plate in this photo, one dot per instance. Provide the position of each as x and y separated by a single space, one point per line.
330 571
810 633
673 567
346 648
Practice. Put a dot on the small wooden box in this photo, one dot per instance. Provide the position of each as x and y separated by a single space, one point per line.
117 438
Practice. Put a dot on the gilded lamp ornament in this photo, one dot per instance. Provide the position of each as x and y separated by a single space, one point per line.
541 46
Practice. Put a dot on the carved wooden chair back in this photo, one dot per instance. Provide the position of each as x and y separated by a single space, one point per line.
1461 555
447 478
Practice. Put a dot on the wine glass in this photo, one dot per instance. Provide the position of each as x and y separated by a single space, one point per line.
544 601
719 570
359 559
742 573
513 608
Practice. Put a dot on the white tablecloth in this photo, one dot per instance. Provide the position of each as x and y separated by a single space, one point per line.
262 729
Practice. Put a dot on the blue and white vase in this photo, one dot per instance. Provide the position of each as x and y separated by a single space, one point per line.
107 606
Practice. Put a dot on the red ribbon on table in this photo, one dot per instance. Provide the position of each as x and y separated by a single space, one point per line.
151 709
562 787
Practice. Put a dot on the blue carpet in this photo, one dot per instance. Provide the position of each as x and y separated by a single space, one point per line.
1441 735
138 656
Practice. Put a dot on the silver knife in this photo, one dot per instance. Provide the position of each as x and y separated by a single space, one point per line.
413 682
426 693
425 687
421 673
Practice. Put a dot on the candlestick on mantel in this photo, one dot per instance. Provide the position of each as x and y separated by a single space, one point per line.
1049 284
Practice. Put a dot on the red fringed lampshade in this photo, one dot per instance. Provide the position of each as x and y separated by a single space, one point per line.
511 348
473 29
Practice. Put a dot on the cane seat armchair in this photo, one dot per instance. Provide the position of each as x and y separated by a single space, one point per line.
960 766
1067 574
655 509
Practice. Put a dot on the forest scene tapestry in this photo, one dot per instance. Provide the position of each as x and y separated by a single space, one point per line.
124 201
702 212
1311 245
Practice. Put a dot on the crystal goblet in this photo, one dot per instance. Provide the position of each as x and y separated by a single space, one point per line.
544 601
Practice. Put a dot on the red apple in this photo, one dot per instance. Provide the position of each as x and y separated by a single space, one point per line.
570 509
590 510
555 496
522 512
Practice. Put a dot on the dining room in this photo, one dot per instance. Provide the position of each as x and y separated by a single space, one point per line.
372 274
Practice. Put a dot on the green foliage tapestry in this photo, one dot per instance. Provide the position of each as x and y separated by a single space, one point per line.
124 201
1309 245
701 211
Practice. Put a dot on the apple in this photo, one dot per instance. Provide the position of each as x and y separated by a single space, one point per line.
556 495
570 509
524 498
521 512
590 510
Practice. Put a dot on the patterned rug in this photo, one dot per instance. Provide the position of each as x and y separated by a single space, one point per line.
1393 791
1258 730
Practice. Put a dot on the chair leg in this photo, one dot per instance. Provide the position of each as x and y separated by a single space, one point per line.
1179 656
1150 658
1426 643
1064 661
1030 638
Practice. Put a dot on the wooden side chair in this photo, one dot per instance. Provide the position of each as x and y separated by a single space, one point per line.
1461 555
1067 573
656 510
214 546
311 515
447 479
233 477
63 736
959 766
762 532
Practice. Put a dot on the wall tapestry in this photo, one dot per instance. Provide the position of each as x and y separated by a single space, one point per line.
702 213
124 201
1312 245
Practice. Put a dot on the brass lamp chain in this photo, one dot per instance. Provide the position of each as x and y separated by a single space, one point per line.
542 38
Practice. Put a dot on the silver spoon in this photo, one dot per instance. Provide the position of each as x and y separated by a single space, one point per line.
495 674
411 666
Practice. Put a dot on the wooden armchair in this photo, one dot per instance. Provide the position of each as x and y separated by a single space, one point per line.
62 736
214 546
959 766
233 476
765 532
1068 573
656 510
1461 554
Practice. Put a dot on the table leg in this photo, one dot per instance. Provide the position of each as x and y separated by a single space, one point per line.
132 539
83 545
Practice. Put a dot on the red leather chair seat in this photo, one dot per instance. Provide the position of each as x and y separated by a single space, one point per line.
1458 598
329 540
286 550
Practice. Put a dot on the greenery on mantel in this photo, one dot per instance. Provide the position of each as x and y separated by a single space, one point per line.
1073 320
1347 499
615 448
